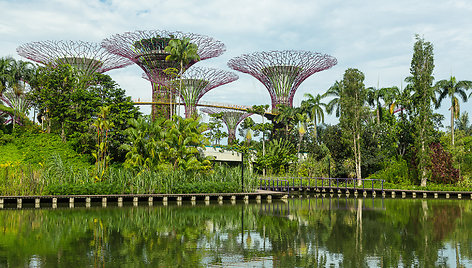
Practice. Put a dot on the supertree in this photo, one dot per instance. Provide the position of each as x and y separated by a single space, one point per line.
146 49
196 82
87 56
231 118
282 72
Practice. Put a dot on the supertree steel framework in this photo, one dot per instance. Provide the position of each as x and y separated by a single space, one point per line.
196 82
231 118
282 72
146 49
86 56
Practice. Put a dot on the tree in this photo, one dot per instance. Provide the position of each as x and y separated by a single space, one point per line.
462 123
451 88
214 133
183 52
352 99
14 76
103 127
286 117
334 104
314 108
5 73
54 91
160 143
421 80
374 95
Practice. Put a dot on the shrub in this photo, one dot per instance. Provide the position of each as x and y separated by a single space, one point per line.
396 171
442 170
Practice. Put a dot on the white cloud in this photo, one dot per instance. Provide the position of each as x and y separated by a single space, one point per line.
375 36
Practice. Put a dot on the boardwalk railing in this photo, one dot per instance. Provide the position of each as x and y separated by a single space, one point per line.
287 184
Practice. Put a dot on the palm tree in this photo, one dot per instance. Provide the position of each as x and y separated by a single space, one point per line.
451 88
286 116
373 98
183 52
5 73
462 123
314 108
392 98
21 73
13 77
334 104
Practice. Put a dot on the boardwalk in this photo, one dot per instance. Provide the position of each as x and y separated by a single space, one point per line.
349 187
104 200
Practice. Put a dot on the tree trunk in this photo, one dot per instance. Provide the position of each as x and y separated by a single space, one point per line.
452 124
263 146
63 134
378 115
422 166
358 160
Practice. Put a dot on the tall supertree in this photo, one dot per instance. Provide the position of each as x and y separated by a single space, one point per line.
146 49
86 56
196 82
282 72
231 118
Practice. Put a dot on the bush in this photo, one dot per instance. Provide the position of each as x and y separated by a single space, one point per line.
396 172
442 170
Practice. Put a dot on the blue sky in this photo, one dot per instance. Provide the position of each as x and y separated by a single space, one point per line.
374 36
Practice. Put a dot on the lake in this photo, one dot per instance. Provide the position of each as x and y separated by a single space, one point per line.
301 232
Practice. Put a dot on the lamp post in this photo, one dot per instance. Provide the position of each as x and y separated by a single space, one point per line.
248 140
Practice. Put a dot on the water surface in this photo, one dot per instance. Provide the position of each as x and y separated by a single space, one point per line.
299 233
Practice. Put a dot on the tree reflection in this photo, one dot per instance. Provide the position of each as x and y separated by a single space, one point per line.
301 232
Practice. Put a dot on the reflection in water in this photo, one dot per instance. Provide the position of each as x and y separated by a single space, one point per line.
295 233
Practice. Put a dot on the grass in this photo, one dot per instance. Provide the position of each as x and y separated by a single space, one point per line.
58 177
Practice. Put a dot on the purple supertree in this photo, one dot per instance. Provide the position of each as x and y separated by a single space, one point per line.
231 118
146 49
86 56
282 72
196 82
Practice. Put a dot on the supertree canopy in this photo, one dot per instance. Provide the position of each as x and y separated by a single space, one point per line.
86 56
282 72
196 82
231 118
146 49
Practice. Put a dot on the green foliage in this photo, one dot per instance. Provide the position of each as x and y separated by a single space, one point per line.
214 132
278 156
35 149
102 157
155 43
422 65
395 171
98 188
70 101
176 142
353 112
311 167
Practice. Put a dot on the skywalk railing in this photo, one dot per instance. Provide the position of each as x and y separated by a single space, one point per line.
288 184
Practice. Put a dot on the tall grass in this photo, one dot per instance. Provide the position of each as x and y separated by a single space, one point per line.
59 177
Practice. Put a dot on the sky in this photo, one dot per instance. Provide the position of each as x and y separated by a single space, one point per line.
375 37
